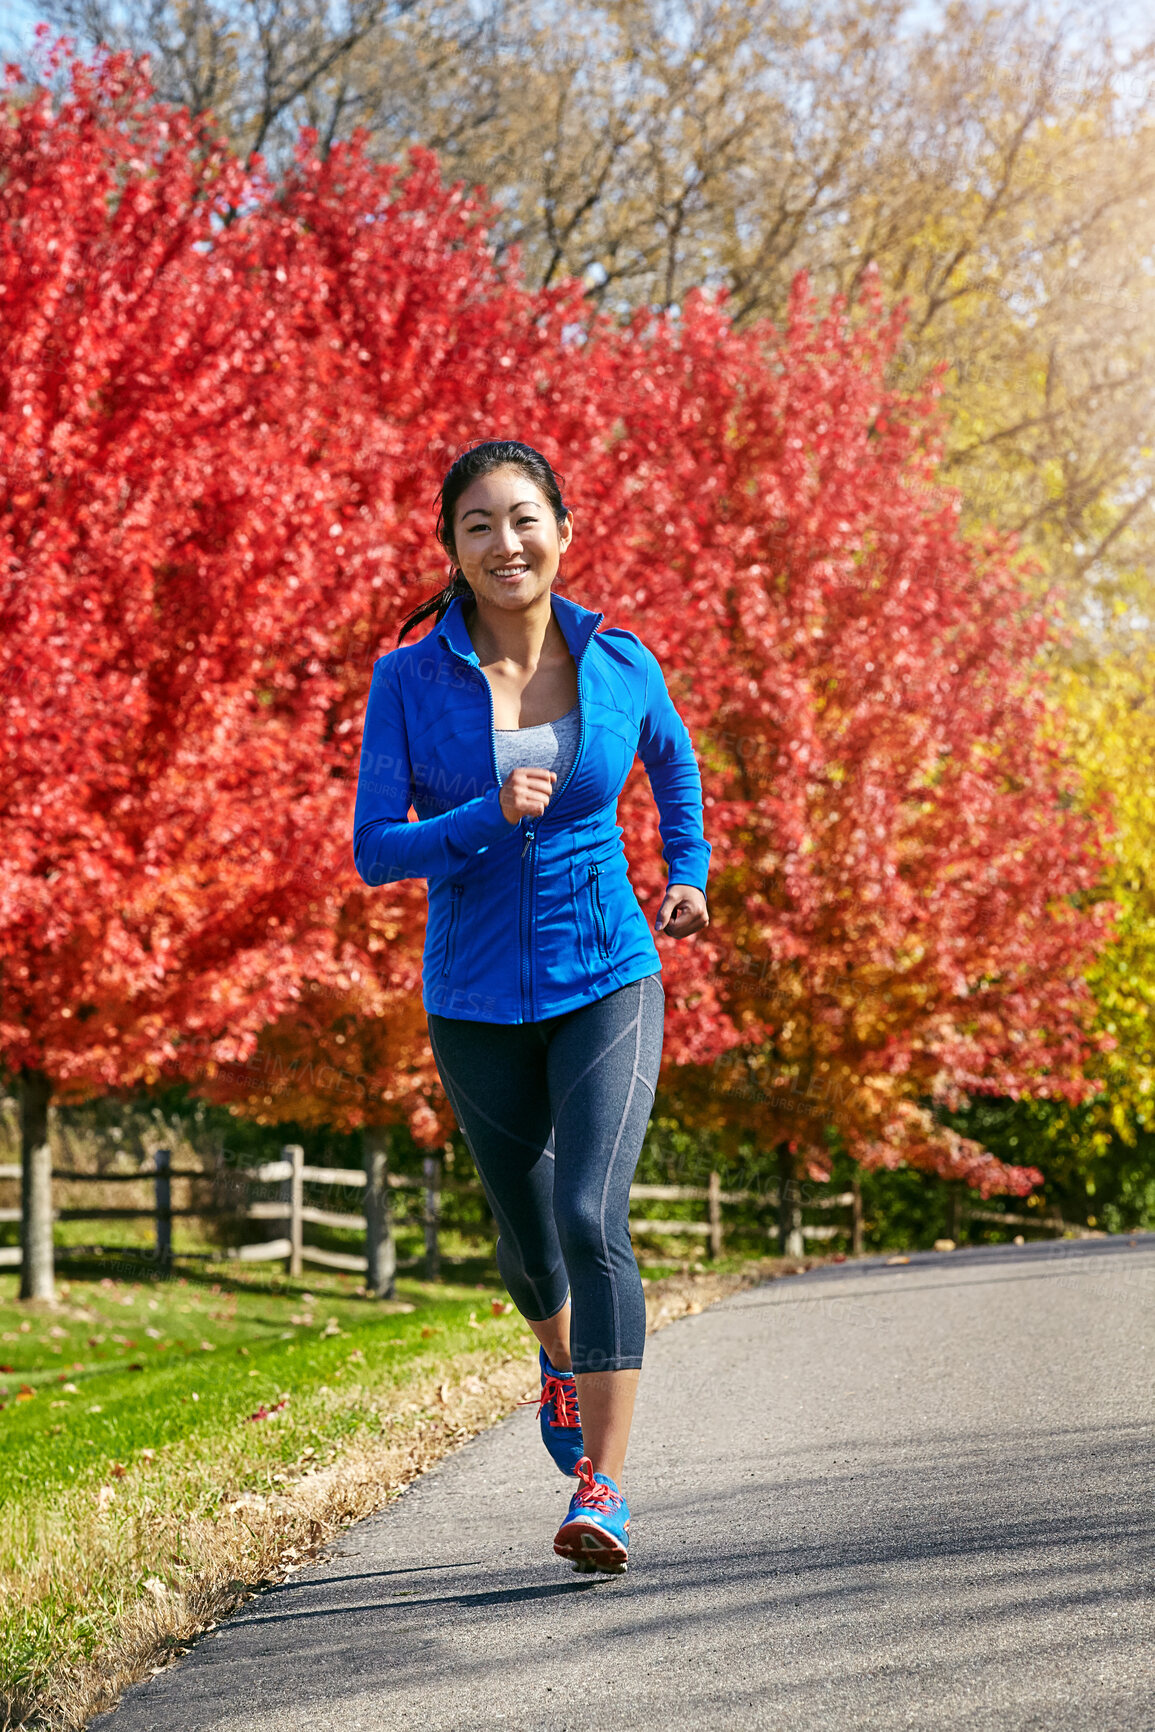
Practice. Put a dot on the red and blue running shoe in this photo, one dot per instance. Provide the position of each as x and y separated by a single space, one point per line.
561 1426
595 1535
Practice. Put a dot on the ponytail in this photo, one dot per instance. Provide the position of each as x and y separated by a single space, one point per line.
438 604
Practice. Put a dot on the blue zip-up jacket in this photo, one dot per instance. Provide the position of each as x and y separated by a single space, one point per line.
528 920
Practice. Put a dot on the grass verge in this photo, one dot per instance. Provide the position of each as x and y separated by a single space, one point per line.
173 1449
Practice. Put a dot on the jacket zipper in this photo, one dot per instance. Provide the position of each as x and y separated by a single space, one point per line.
492 718
599 913
527 926
529 832
451 931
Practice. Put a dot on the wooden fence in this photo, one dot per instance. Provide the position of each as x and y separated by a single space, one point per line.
374 1186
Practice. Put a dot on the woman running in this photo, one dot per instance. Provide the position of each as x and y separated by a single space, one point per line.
510 728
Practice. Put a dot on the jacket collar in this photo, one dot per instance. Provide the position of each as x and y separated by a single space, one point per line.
577 623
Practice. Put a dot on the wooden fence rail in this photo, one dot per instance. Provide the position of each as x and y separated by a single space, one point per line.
379 1262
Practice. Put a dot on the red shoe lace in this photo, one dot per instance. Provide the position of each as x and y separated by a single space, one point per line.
563 1393
592 1493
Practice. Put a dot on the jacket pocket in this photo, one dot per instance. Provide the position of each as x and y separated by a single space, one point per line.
599 915
451 929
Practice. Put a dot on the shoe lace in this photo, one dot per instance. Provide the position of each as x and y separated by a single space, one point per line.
562 1392
592 1494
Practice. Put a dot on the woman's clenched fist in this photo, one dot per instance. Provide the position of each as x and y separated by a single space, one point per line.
526 793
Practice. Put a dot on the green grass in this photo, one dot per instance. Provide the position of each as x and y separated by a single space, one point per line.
122 1367
172 1398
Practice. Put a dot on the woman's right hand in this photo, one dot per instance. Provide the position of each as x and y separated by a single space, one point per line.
526 793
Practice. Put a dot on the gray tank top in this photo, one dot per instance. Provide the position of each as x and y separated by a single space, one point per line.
548 746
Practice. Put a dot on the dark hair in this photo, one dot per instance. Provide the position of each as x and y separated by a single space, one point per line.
480 460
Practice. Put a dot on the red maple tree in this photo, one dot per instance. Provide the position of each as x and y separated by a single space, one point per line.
172 585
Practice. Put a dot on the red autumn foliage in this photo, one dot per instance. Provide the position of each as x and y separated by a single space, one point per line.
901 888
164 734
224 412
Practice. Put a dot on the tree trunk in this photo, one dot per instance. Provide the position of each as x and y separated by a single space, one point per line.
36 1272
954 1218
432 1168
789 1206
381 1274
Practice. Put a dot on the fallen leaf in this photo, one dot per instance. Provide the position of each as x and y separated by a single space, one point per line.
264 1412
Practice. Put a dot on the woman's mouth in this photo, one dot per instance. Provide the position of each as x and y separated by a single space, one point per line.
510 573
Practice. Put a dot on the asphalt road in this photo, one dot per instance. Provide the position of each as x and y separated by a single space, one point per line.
864 1497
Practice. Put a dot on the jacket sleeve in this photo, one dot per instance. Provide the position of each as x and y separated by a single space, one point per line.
667 752
386 845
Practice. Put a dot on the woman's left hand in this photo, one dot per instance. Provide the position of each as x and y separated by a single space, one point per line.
683 911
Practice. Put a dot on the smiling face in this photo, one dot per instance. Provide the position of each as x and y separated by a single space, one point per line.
507 540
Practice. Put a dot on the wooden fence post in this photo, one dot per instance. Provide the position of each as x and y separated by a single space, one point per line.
432 1214
714 1204
856 1217
296 1199
37 1274
380 1247
790 1241
163 1184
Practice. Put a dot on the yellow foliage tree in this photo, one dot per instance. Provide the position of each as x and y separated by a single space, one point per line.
1113 729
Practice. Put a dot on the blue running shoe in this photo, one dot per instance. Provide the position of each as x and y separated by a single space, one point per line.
561 1426
595 1535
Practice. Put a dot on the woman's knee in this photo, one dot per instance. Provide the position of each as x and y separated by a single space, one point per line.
588 1234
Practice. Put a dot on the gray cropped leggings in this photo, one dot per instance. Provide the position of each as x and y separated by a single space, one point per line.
554 1113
